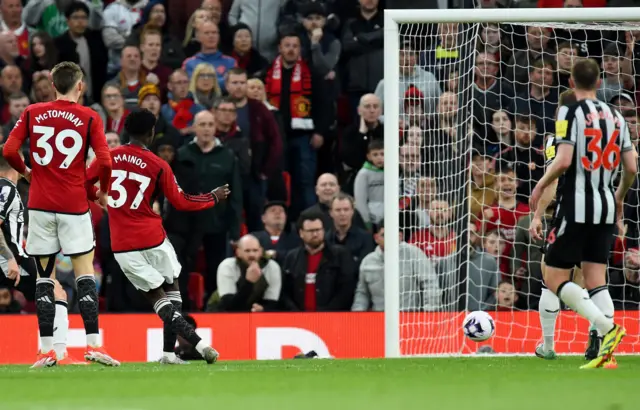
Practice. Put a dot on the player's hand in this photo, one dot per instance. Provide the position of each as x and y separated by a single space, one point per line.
257 308
27 175
253 272
535 228
13 271
222 192
103 198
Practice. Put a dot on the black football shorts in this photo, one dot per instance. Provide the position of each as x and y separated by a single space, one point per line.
568 244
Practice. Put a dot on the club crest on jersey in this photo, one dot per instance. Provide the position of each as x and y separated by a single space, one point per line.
561 128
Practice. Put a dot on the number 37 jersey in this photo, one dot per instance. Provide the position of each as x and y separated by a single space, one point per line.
60 134
599 135
137 178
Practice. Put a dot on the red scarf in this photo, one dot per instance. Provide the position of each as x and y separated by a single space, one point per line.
299 92
117 125
242 61
183 116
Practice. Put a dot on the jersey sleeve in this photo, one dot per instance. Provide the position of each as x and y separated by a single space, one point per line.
11 151
7 194
177 197
564 123
92 178
549 150
625 136
98 141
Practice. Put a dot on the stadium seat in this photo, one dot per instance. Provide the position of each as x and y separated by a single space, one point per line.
287 183
201 261
196 290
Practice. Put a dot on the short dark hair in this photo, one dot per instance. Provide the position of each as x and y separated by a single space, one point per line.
567 97
585 74
76 6
139 125
566 44
223 100
525 119
17 96
287 34
237 71
628 113
341 196
309 215
379 226
375 145
541 63
65 76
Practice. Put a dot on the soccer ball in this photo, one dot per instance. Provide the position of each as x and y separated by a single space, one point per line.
478 326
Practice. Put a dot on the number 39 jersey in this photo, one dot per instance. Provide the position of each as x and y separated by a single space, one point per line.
137 178
599 135
60 134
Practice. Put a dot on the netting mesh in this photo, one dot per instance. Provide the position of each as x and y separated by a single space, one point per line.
477 103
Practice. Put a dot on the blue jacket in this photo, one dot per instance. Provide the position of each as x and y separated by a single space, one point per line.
167 112
222 63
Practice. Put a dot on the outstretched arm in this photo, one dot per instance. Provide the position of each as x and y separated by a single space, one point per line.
11 151
179 199
98 142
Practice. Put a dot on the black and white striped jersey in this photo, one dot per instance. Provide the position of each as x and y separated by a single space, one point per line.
12 215
599 135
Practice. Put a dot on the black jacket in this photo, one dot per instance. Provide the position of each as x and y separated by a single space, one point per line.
288 240
353 146
335 280
199 172
362 47
99 57
358 242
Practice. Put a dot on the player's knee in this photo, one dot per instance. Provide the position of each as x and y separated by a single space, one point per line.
83 264
578 277
58 292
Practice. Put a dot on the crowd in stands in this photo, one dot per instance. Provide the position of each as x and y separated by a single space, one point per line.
283 101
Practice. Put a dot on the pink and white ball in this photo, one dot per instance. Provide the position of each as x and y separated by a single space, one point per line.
478 326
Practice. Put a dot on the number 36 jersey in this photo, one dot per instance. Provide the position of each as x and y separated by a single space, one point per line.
599 135
60 134
137 179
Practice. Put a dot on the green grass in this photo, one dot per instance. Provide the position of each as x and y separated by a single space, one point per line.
438 384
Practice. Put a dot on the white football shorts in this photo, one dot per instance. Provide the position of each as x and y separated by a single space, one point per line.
50 233
149 269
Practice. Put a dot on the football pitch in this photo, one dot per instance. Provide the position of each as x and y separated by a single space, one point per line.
308 384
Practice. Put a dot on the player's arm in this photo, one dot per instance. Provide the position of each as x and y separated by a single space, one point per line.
550 193
13 271
179 199
17 136
629 164
98 142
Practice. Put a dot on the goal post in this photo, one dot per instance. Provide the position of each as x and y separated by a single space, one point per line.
437 331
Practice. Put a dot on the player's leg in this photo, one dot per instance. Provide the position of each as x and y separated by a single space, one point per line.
593 345
548 309
42 243
172 292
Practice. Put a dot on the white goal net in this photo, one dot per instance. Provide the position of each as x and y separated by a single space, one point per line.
475 104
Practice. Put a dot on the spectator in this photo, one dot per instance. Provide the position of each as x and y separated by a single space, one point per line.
426 192
195 173
490 94
317 276
501 135
131 78
362 42
181 108
276 239
358 136
258 126
85 47
482 190
504 214
10 56
151 47
114 109
447 53
419 288
327 188
7 303
565 58
43 53
18 102
11 22
631 117
248 282
519 66
165 134
246 56
482 278
261 18
10 83
215 7
113 139
612 84
48 15
506 296
288 87
527 160
204 86
256 91
438 241
119 19
369 185
154 17
357 240
410 163
623 102
411 75
42 89
541 98
190 44
209 37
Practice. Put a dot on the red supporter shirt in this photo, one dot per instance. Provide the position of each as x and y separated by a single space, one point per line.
60 133
313 262
434 247
505 221
138 177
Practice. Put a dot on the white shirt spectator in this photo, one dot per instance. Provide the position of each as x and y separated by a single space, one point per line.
119 19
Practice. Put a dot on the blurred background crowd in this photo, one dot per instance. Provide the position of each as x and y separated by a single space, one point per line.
283 101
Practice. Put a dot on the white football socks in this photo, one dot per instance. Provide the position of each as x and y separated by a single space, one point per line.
573 295
602 299
60 329
549 307
200 347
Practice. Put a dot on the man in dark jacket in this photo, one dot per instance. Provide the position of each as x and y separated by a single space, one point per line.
276 239
362 42
259 127
84 47
201 164
317 276
326 188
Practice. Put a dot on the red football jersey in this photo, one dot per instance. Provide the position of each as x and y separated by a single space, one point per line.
505 221
138 176
434 247
60 133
